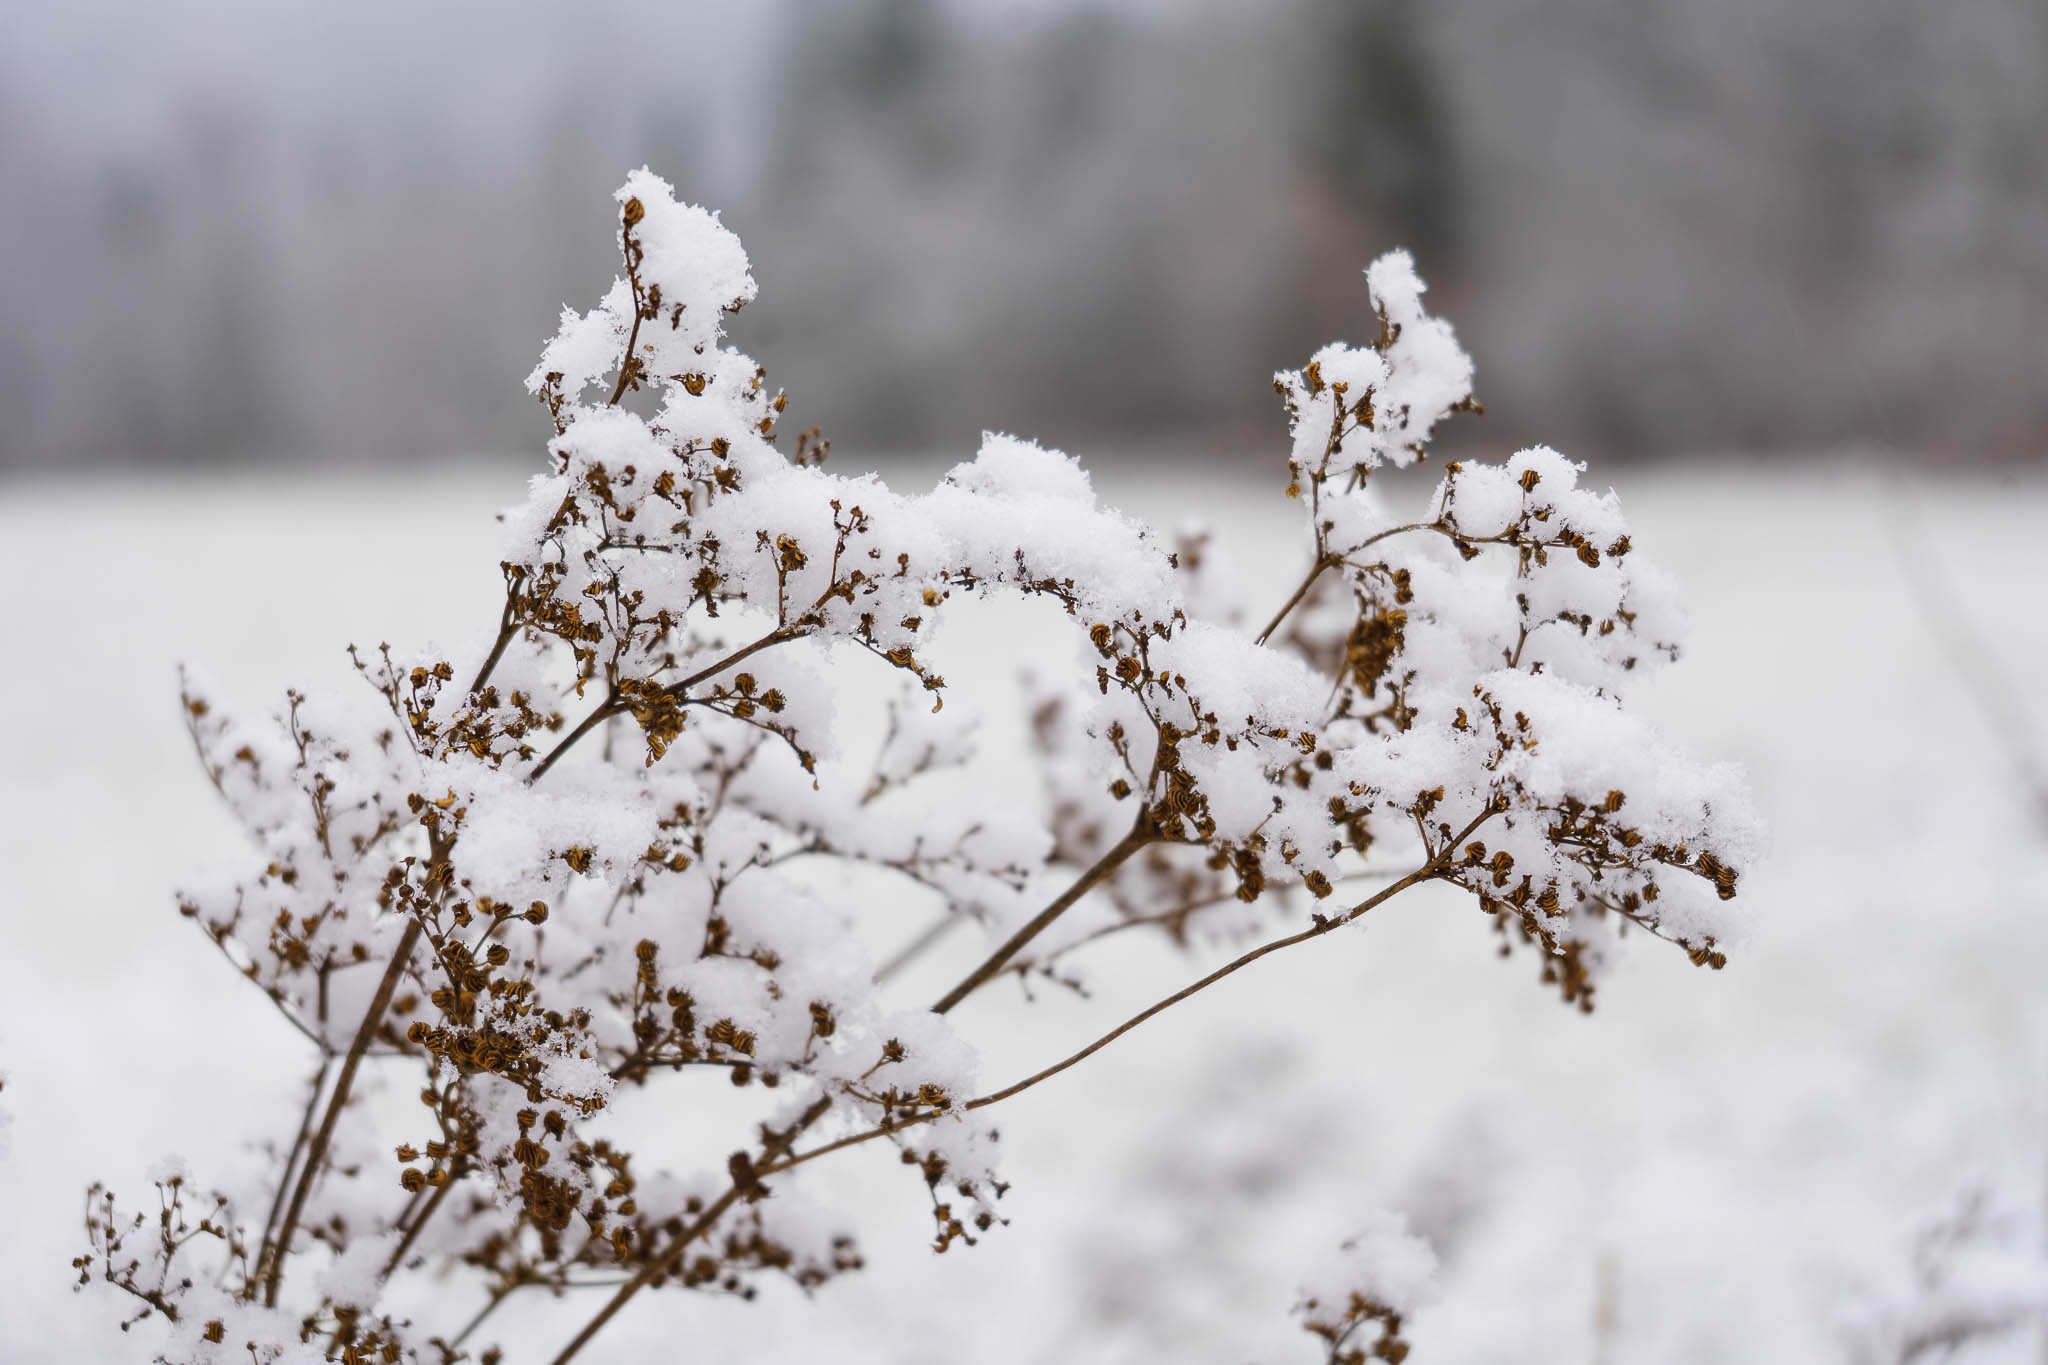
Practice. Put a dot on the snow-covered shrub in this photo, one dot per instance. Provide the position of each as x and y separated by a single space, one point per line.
559 863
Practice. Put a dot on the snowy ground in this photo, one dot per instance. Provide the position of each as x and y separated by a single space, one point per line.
1730 1166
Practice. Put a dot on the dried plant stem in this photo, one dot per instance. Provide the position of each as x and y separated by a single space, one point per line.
316 1151
632 255
1333 559
1165 918
1141 834
419 1221
613 704
781 1142
508 626
610 706
606 709
1287 607
1322 926
661 1267
284 1179
1430 870
1427 872
780 635
665 1263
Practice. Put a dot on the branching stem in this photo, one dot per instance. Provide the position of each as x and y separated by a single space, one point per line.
1429 871
284 1179
780 1143
1315 572
420 1220
316 1152
604 711
1141 834
508 626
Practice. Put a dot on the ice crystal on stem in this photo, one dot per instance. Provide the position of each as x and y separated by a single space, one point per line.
558 863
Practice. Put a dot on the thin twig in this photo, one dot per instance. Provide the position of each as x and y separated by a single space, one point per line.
419 1222
508 626
613 706
780 635
1314 573
1180 912
1141 834
316 1153
665 1262
1322 926
1429 871
632 337
606 709
1333 559
284 1178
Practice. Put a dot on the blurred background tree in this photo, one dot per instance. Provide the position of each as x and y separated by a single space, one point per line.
233 233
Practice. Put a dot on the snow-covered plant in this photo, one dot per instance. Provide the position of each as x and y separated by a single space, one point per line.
599 849
1356 1302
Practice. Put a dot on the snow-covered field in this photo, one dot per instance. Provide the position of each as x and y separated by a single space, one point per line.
1741 1166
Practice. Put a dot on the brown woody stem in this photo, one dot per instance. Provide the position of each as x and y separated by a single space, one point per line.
665 1263
780 1143
316 1152
1326 562
1141 834
606 709
291 1164
1426 872
420 1220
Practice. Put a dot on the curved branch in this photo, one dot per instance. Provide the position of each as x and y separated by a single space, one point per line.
1429 871
769 1165
1164 918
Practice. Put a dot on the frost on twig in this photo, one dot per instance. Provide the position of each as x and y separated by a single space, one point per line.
594 849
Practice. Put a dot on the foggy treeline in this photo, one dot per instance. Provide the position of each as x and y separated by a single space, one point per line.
1661 227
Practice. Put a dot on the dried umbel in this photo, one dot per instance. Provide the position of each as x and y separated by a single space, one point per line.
560 863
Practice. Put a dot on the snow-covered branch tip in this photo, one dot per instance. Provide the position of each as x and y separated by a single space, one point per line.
560 862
